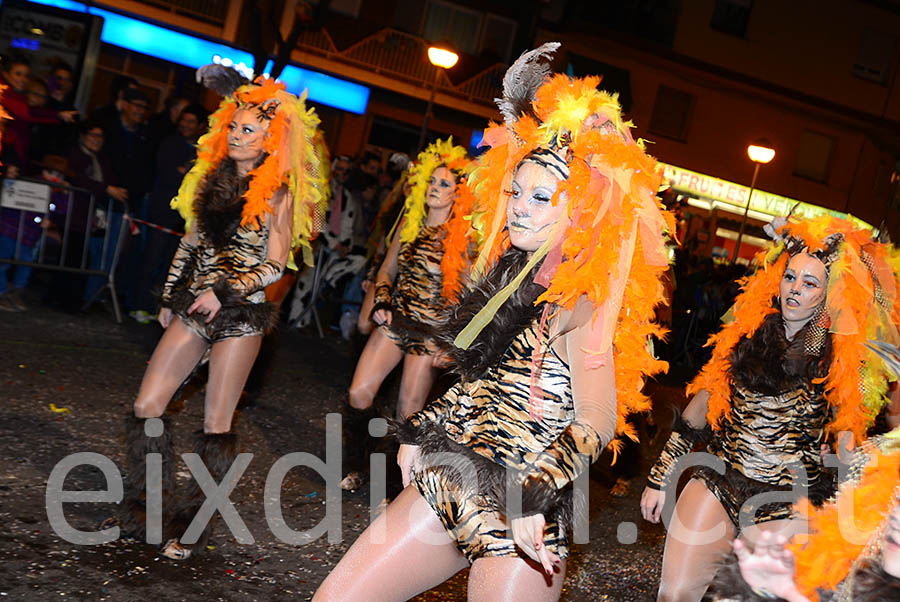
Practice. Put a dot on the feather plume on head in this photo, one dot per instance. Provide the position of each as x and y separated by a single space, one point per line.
221 79
522 80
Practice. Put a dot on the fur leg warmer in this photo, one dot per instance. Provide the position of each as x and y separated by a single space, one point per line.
218 451
132 514
357 443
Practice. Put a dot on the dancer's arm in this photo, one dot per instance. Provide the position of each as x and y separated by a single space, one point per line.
687 432
408 432
180 262
384 279
580 444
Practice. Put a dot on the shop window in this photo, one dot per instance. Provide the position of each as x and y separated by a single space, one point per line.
813 156
456 24
671 113
876 54
732 17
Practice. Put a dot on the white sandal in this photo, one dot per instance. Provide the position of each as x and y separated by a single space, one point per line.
174 550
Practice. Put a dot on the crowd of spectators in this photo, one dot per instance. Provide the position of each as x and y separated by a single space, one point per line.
116 160
121 159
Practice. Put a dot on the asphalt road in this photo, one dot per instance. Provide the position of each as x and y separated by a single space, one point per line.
67 381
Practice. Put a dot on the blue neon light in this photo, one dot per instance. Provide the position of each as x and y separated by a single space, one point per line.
183 49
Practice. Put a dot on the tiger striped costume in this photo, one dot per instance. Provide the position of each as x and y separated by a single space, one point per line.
766 436
237 272
776 426
477 431
415 300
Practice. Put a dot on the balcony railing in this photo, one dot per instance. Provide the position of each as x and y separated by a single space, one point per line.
403 56
211 11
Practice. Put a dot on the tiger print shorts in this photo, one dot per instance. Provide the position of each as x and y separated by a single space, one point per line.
215 332
477 529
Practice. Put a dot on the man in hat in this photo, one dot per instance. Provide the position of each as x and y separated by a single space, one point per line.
130 152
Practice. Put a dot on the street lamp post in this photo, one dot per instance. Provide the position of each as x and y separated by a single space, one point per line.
760 152
442 57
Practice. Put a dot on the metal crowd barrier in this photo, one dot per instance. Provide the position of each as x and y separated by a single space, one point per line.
31 196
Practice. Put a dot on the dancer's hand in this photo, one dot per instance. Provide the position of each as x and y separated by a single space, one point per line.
207 304
528 533
407 457
382 317
652 502
770 567
164 317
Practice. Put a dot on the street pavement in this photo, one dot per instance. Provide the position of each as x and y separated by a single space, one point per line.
66 383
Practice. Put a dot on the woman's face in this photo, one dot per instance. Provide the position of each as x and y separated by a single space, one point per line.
36 94
441 189
246 134
530 216
890 549
17 76
93 139
802 287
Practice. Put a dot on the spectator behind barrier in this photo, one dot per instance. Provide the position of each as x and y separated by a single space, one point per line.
176 154
62 86
165 123
92 170
131 156
110 112
14 74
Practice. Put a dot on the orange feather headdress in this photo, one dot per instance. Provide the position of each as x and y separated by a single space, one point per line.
613 250
296 157
861 304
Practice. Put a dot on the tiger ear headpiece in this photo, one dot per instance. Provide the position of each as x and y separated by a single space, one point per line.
861 303
295 154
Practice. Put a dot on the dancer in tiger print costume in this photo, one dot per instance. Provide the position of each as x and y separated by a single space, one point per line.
408 299
550 339
246 207
789 374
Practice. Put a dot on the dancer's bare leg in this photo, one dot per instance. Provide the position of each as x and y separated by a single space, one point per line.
380 356
511 579
175 356
230 363
699 534
404 552
415 383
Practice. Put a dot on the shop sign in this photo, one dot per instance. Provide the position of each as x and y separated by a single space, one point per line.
704 186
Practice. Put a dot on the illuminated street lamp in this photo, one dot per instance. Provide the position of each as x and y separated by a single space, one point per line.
759 152
441 56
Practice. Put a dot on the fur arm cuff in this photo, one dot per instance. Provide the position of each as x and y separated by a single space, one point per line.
176 271
552 469
681 442
256 279
382 297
